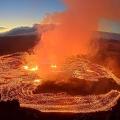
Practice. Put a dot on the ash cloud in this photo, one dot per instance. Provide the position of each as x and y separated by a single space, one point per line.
74 25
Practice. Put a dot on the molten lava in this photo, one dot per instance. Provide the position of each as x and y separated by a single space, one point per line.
31 69
34 69
53 66
36 81
26 67
21 87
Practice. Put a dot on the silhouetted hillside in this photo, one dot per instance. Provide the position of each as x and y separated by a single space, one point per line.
20 43
106 35
11 110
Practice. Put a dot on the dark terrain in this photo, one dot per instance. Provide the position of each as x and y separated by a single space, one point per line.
77 86
107 55
11 110
18 43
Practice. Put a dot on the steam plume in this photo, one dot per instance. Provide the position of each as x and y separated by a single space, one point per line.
74 26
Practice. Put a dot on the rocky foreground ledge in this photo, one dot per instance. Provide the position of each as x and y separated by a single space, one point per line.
11 110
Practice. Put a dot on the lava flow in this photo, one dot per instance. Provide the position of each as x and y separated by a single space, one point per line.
18 82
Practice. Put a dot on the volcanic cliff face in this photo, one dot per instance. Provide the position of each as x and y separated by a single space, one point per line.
105 50
17 43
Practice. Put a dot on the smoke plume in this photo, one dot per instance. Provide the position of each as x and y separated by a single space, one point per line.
73 29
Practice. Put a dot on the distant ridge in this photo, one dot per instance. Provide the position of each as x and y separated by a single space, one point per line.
17 43
11 43
106 35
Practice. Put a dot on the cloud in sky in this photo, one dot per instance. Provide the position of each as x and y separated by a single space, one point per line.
25 30
2 28
19 31
26 12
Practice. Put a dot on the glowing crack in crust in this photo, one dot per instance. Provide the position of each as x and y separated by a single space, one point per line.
17 83
31 69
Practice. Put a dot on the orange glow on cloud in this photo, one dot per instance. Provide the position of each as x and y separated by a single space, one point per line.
73 33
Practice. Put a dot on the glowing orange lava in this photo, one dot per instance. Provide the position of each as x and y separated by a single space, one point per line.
36 81
26 67
53 66
31 69
21 87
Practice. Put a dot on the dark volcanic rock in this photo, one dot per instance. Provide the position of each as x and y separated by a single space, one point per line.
11 110
20 43
17 113
79 87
